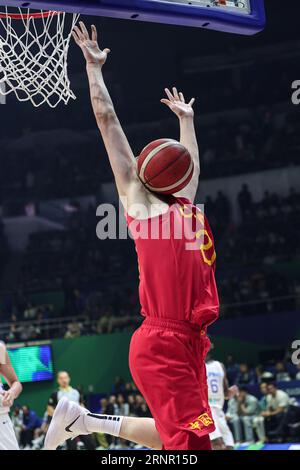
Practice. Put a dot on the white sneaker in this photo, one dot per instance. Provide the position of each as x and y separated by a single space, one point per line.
67 423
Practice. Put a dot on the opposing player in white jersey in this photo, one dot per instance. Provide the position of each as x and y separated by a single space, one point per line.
8 440
218 392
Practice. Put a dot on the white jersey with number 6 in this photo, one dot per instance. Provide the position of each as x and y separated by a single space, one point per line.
215 381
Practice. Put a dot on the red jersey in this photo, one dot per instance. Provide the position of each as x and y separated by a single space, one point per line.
176 257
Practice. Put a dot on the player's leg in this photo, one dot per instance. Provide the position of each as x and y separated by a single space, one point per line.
218 444
228 439
8 440
225 431
139 430
216 437
176 395
142 431
70 420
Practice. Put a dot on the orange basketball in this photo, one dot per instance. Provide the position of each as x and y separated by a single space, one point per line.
165 166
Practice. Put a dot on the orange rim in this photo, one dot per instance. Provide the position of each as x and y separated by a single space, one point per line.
26 16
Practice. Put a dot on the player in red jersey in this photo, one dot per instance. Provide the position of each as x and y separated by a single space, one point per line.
178 292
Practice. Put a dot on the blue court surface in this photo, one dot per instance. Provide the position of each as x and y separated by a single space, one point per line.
289 446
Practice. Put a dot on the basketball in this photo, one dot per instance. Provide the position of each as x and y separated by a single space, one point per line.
165 166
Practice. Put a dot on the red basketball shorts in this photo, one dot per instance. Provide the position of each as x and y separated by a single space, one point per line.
167 364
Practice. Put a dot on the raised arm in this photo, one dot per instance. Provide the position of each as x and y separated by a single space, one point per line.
120 154
7 371
185 113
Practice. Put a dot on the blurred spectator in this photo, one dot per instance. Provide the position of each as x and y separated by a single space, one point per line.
112 407
263 375
123 407
40 433
73 331
103 406
232 416
259 420
119 386
131 404
277 404
141 408
30 422
30 312
65 390
232 369
245 201
245 376
222 209
248 410
282 375
288 426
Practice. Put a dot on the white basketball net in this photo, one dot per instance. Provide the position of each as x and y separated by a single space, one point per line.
34 55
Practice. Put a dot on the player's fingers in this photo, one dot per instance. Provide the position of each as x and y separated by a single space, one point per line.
7 403
6 397
192 102
76 38
79 33
169 94
181 96
165 101
175 93
84 30
94 33
106 50
75 34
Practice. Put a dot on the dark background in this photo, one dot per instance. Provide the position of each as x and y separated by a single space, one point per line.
146 57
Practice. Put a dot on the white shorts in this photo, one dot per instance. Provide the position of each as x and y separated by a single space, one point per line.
8 440
222 428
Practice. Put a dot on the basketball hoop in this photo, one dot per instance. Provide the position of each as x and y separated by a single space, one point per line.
34 55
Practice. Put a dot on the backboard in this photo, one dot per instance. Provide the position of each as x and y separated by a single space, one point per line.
233 16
